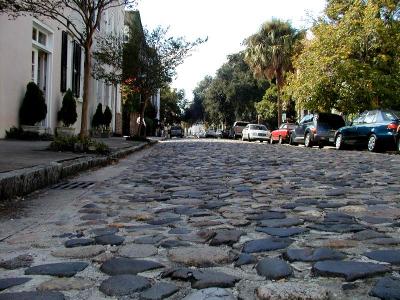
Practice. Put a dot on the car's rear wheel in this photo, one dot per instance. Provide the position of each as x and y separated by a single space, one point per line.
339 145
308 141
291 140
280 141
372 143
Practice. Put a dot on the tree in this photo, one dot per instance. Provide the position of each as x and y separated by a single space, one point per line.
67 113
170 101
269 53
195 111
33 108
82 19
151 59
267 107
352 63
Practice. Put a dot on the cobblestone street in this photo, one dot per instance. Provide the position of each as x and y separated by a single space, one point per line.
212 219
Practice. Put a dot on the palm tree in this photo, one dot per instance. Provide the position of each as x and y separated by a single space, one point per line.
269 53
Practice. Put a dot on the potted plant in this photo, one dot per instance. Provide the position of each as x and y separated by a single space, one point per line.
107 118
67 115
33 109
97 121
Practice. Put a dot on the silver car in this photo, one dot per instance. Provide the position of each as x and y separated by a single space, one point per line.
256 132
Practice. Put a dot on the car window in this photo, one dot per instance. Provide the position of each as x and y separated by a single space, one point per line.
390 116
258 127
370 117
334 121
283 126
241 124
359 119
306 118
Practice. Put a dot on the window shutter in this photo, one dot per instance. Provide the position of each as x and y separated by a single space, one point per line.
76 70
64 59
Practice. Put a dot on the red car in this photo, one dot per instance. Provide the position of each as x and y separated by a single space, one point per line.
282 134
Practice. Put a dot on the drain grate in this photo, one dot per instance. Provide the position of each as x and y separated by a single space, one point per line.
73 185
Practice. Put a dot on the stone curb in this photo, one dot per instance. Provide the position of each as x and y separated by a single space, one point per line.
24 181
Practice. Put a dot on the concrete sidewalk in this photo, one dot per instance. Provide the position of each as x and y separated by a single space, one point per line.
26 166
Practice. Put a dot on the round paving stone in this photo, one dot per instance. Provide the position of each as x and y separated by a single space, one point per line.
110 239
211 294
32 296
6 283
263 245
118 266
137 251
389 256
350 270
79 252
121 285
226 237
104 231
282 232
21 261
159 291
288 222
66 269
292 290
207 279
245 259
78 243
200 256
274 269
387 288
311 255
65 284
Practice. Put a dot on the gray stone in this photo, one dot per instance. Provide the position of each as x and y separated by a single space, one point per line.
110 239
245 259
267 215
159 291
292 291
389 256
179 231
350 270
121 285
312 255
226 237
65 284
206 279
65 269
211 294
200 256
79 252
137 251
21 261
153 239
6 283
104 231
274 269
78 243
33 296
118 266
282 232
263 245
387 288
174 243
163 221
287 222
367 235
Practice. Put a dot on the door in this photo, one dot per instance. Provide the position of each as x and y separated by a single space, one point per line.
39 72
364 129
301 129
350 134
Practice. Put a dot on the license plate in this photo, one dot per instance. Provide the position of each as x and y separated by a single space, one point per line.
331 140
261 134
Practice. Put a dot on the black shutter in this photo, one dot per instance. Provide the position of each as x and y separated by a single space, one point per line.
64 60
76 70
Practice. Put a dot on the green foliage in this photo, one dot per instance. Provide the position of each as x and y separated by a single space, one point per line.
68 114
107 117
98 117
269 53
170 111
195 111
19 134
33 108
267 107
352 64
77 144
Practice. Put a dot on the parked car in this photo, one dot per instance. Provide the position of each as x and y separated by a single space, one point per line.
282 134
238 128
375 130
316 129
200 134
210 133
256 132
176 131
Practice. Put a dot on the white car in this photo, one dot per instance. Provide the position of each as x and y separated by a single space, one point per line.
256 132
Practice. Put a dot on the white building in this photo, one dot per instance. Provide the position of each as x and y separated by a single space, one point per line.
42 51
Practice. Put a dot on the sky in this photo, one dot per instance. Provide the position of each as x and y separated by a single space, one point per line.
226 23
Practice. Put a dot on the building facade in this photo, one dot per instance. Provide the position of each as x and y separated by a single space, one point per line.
43 52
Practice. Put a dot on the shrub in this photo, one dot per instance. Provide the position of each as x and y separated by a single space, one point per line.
33 108
107 117
76 144
67 113
19 134
98 117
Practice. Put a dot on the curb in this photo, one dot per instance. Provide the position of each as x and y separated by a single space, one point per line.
22 182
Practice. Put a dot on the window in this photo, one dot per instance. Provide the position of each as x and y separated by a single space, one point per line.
359 119
76 70
39 36
64 60
370 118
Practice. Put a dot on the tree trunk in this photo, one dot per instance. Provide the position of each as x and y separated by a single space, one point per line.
279 84
86 92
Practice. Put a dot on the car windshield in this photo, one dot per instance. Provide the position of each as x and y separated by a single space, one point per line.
175 128
335 121
390 115
241 124
258 127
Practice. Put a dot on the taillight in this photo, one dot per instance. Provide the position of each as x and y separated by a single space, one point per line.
392 126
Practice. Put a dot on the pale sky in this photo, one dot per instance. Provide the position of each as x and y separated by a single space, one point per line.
226 23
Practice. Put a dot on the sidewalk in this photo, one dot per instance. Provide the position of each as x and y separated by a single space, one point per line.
26 166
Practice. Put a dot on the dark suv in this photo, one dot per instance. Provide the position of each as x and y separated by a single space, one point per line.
176 131
316 130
